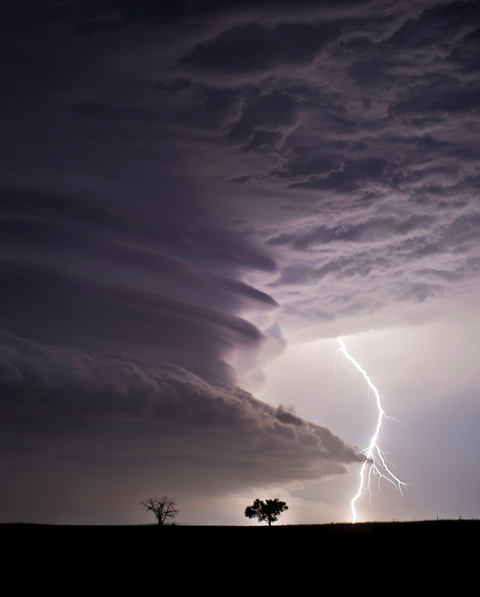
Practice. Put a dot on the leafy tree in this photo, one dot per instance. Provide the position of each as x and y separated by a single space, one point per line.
269 510
163 508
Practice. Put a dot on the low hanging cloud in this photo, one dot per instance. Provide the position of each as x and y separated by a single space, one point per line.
53 399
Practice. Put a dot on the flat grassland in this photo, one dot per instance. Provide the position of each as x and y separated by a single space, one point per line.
432 534
420 557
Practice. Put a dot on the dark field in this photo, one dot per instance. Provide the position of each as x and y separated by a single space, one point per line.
417 557
428 537
426 530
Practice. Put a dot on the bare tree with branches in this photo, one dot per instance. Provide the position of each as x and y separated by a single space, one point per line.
163 508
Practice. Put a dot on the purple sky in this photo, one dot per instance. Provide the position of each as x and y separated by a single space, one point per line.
197 199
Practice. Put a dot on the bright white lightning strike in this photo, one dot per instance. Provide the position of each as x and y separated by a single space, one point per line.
375 458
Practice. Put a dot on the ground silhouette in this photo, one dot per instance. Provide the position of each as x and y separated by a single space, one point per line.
417 556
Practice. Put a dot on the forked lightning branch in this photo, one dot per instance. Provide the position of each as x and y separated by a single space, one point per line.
375 462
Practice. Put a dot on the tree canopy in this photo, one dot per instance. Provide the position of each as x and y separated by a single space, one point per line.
268 511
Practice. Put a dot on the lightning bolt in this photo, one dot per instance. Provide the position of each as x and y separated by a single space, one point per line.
375 462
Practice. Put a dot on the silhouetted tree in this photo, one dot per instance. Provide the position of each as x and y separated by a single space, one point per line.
269 510
163 507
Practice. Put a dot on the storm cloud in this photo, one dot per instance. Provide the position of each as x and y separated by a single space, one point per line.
64 408
188 188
